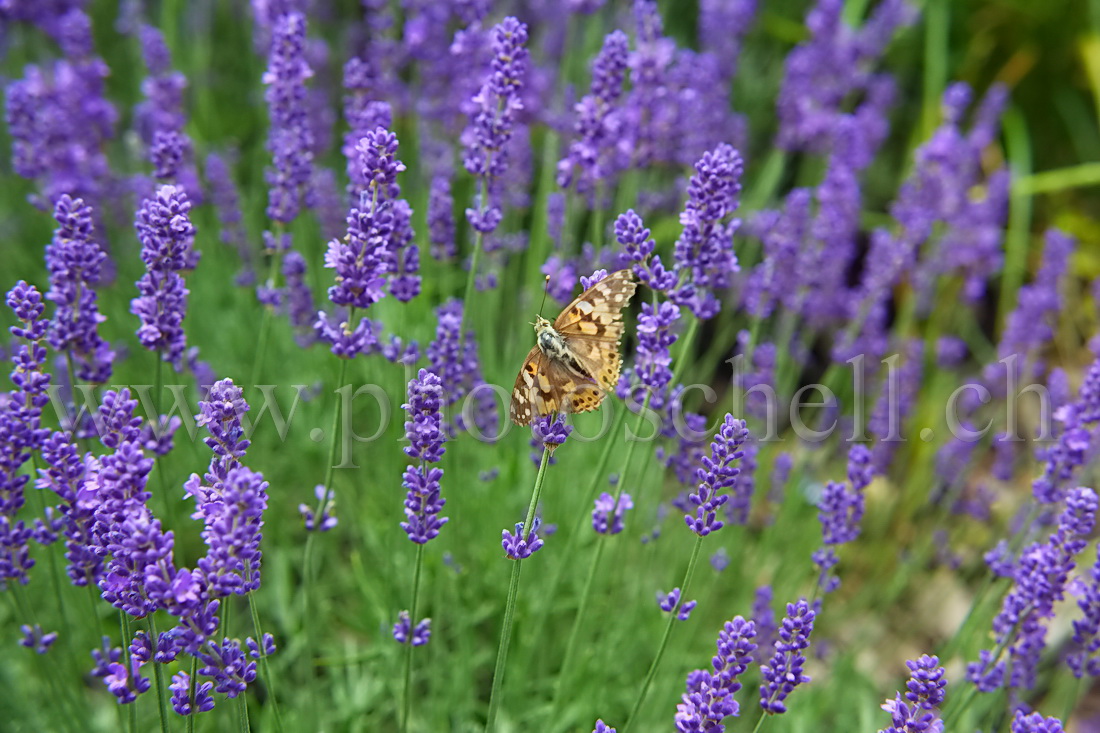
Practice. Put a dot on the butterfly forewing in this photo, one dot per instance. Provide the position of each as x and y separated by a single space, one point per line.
590 327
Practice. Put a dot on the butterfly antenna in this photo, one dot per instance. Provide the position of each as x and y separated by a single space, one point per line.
545 289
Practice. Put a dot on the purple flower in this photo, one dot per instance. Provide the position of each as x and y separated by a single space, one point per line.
594 154
226 200
722 26
493 112
441 218
1035 723
182 701
607 517
652 372
668 601
297 299
704 252
1039 581
74 260
404 633
651 111
635 239
831 67
326 520
290 139
164 227
228 666
233 515
60 121
744 484
709 696
519 546
1031 323
895 402
840 511
717 473
126 684
1070 450
34 638
720 560
925 693
424 431
453 356
550 431
363 111
602 727
784 671
375 228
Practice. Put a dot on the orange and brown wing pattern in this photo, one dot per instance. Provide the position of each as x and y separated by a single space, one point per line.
592 326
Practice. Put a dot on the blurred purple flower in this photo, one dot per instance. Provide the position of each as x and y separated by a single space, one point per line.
607 517
404 633
326 520
593 155
1039 581
1035 723
453 357
832 66
493 119
290 139
34 638
60 120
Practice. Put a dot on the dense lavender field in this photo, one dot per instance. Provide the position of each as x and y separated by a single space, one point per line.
270 270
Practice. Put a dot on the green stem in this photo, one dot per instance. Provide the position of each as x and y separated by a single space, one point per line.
254 611
269 311
407 699
328 477
242 714
158 674
665 637
510 607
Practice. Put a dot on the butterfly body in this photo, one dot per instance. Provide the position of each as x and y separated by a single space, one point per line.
576 358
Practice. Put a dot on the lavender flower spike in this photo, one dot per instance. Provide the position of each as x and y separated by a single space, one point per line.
918 710
1035 723
709 696
74 260
164 227
424 431
493 119
704 252
520 547
717 474
784 671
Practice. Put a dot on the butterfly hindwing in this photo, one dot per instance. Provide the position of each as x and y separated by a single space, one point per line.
545 386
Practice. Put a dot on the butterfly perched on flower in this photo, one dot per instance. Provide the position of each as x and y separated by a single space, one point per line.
575 359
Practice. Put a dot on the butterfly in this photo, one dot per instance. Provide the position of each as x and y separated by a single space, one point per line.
575 359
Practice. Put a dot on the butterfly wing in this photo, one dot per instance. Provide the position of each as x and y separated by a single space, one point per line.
545 386
592 326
